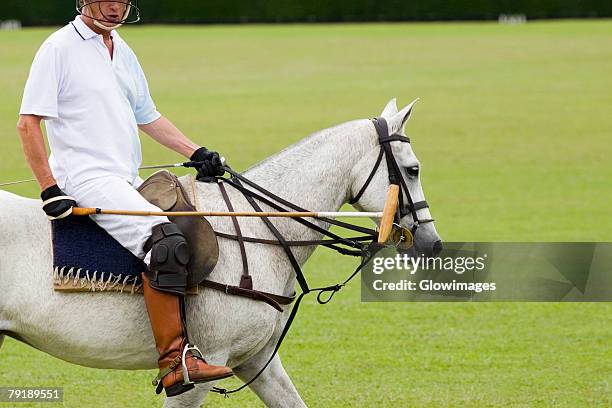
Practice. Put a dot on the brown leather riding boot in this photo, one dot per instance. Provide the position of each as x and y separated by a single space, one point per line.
166 316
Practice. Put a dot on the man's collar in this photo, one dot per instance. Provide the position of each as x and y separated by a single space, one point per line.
83 29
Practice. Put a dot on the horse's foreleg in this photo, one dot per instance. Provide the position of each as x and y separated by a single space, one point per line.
273 386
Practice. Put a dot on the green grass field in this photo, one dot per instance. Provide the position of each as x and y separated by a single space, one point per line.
514 132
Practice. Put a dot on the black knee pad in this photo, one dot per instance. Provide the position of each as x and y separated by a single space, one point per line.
169 258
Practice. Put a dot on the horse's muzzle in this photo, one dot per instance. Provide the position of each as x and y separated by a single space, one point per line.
437 248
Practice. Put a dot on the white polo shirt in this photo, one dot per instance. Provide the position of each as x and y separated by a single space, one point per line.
92 105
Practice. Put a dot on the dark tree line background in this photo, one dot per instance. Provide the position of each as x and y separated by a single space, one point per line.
56 12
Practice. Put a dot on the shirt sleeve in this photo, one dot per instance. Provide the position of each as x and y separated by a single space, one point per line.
145 111
42 87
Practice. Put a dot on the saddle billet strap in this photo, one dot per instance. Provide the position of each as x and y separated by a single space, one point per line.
271 299
245 280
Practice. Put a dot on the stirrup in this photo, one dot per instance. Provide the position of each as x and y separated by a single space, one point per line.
195 352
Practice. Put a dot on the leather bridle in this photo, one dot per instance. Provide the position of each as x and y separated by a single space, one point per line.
395 176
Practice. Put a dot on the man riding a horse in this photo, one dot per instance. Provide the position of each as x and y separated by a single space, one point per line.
88 86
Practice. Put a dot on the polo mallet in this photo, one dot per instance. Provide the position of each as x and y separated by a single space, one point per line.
386 216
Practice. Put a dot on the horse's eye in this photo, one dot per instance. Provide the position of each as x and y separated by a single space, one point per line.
413 171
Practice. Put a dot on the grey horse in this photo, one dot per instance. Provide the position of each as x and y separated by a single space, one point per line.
111 330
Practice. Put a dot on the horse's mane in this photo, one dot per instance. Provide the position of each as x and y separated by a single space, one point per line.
302 143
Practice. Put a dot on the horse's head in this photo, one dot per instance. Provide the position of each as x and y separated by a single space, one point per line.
370 178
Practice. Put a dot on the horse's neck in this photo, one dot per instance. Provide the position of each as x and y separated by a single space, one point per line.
313 174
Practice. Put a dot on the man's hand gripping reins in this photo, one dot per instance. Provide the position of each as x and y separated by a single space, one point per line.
208 164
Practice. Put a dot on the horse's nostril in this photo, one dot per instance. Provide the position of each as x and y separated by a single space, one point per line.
437 247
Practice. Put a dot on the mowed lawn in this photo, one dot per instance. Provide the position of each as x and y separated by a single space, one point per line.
514 132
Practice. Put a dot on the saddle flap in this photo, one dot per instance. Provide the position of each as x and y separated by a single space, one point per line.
164 190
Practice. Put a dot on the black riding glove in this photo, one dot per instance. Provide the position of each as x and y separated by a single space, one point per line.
209 164
56 204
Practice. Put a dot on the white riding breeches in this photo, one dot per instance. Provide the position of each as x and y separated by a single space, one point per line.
115 193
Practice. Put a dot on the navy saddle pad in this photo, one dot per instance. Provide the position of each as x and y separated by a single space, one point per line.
79 243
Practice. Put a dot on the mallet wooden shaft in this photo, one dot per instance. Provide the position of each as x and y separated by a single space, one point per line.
321 214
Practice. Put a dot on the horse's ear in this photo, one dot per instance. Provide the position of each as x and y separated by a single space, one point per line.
390 109
399 120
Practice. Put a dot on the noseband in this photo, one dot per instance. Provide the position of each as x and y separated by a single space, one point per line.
395 175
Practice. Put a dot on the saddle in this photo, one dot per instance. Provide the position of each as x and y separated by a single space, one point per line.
87 258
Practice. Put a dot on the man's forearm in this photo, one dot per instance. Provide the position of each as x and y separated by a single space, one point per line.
165 133
35 151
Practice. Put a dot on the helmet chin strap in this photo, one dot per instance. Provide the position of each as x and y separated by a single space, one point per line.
107 28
